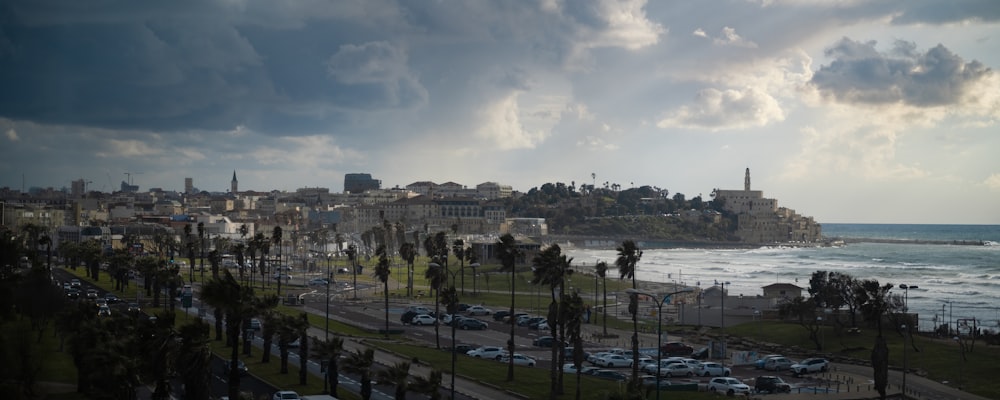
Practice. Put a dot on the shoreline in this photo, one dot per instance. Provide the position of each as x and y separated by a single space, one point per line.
587 242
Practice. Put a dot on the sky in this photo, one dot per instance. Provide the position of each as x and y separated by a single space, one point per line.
844 110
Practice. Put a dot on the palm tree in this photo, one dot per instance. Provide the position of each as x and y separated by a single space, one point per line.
237 302
289 329
397 375
269 321
436 277
551 268
201 247
450 300
330 351
458 248
508 253
628 256
431 385
303 328
473 259
408 251
352 255
602 271
194 359
572 311
276 238
382 272
360 362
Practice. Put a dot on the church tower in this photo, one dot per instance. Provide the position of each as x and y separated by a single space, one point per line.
746 180
234 185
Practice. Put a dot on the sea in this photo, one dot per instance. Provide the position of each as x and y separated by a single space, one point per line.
948 282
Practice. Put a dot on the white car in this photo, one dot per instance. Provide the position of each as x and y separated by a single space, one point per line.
479 310
570 368
729 386
285 395
664 363
423 319
778 364
487 352
714 369
593 357
676 369
810 365
614 360
519 359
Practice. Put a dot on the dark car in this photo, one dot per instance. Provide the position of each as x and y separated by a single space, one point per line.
465 348
407 317
771 384
543 341
700 354
609 374
532 320
111 298
240 366
675 349
472 323
462 307
499 315
73 294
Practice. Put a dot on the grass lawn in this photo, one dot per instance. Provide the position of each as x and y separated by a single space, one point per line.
940 358
21 343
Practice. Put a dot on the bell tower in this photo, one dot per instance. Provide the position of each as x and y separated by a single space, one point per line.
746 180
235 184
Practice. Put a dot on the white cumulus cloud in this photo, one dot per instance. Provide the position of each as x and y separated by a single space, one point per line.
715 109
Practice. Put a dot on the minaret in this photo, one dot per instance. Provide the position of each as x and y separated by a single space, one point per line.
746 180
234 185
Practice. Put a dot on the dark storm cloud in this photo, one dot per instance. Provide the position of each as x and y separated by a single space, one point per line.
861 74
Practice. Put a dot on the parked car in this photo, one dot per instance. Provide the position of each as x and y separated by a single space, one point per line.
516 317
528 321
570 368
407 317
759 364
614 361
778 364
714 369
419 309
672 349
519 359
543 326
538 323
729 386
464 348
543 341
255 324
676 369
285 395
423 319
318 282
810 365
593 357
472 323
479 310
500 315
609 374
488 352
771 384
664 363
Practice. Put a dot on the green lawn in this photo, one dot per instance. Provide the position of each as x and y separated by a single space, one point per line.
940 359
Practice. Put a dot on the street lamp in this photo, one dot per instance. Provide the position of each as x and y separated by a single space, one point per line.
722 322
475 275
906 327
659 325
451 310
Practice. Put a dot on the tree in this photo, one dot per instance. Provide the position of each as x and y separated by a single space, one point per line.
572 315
303 330
804 311
276 238
874 304
382 272
509 253
436 276
360 362
237 302
201 247
397 375
269 321
431 385
194 359
628 256
602 272
458 249
551 268
329 350
352 255
289 329
408 251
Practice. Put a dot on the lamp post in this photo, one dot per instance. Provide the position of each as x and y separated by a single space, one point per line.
722 322
475 276
659 325
329 280
451 311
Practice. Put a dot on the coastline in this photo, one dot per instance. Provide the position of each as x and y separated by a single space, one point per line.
593 242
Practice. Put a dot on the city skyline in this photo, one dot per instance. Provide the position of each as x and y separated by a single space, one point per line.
847 111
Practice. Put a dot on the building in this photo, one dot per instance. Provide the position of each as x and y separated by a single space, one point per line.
234 185
359 183
189 185
78 188
493 190
760 220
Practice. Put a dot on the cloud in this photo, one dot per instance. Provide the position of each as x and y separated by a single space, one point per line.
377 73
11 135
947 12
715 109
993 181
502 125
859 74
728 37
129 149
